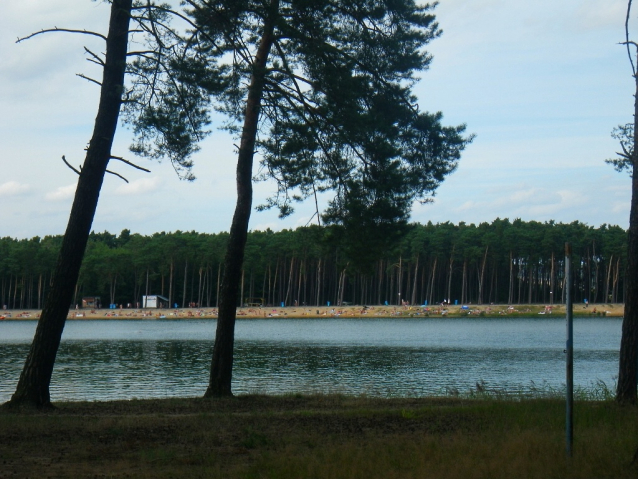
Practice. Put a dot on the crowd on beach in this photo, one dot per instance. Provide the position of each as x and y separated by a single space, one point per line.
255 312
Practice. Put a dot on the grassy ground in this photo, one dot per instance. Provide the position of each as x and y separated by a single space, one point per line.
320 437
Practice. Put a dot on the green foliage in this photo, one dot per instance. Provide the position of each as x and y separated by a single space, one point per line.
625 136
337 111
306 263
168 99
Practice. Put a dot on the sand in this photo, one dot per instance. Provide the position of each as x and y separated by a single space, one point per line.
612 310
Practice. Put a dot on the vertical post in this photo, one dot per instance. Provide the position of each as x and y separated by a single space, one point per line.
569 350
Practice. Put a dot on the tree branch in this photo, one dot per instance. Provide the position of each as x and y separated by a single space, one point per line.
117 174
142 53
633 68
56 29
81 75
129 163
69 165
96 58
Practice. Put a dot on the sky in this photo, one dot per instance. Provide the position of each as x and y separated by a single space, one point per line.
541 84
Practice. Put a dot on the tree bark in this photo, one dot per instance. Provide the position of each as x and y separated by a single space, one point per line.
221 368
627 370
33 387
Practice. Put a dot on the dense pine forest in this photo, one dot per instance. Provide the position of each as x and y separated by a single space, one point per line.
502 262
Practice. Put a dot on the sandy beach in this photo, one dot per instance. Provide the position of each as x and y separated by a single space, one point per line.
453 311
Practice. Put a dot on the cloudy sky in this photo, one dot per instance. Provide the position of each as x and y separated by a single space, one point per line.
541 84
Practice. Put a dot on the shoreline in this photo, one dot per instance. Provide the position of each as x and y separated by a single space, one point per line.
305 312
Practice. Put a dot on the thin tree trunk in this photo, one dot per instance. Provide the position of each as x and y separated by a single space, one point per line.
185 281
380 282
221 369
241 296
289 286
170 284
145 305
319 283
414 282
628 364
552 284
611 262
274 283
464 283
510 295
449 284
431 295
301 276
33 386
9 293
482 277
219 276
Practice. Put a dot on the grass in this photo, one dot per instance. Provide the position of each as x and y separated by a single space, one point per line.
336 436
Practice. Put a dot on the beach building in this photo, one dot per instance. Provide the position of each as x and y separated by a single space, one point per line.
92 302
154 301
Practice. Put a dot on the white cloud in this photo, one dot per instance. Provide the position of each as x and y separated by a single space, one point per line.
138 187
591 15
467 206
61 193
13 188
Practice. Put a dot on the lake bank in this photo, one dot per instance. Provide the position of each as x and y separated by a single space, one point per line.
453 311
316 436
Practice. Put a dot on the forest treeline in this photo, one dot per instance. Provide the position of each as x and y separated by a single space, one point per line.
503 262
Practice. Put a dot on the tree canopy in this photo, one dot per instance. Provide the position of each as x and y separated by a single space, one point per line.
305 264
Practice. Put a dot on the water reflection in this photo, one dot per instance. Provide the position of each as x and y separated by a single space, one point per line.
387 357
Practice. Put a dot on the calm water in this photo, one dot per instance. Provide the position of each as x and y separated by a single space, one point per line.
101 360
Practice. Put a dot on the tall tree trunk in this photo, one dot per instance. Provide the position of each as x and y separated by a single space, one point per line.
241 295
170 283
300 300
399 280
40 291
290 281
482 277
552 284
33 387
449 283
608 282
414 282
274 283
199 287
627 370
221 369
510 295
319 283
431 287
219 282
145 303
530 275
464 283
184 305
380 282
11 287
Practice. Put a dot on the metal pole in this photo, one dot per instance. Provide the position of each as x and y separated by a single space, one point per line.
569 350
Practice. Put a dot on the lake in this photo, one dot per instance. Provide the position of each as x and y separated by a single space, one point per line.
105 360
